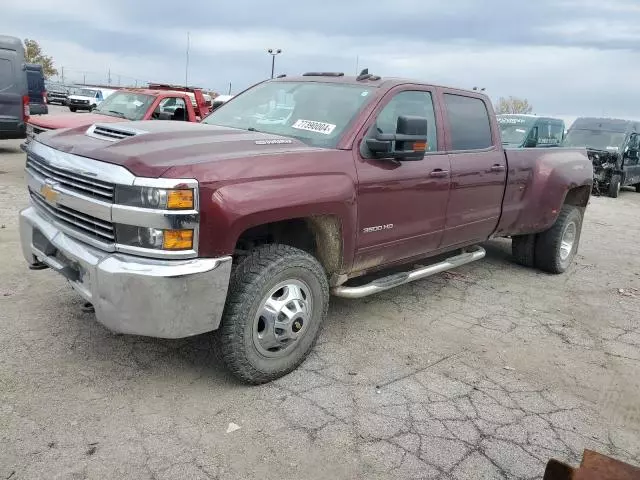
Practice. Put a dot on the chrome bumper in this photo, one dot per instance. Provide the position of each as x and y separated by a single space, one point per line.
134 295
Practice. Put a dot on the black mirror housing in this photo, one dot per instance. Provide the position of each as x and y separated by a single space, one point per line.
409 143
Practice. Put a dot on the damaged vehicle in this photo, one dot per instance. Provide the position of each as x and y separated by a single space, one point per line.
613 145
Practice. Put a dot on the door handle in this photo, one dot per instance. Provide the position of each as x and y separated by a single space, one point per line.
497 168
439 173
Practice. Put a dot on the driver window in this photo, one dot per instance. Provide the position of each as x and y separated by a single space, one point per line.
633 145
413 103
171 108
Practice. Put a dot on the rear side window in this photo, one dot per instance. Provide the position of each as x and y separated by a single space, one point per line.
7 76
469 124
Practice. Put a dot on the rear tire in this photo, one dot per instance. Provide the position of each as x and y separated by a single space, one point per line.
637 187
523 248
277 301
614 186
73 109
557 246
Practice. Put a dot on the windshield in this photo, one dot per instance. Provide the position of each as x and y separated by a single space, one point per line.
596 139
315 113
514 129
86 92
129 105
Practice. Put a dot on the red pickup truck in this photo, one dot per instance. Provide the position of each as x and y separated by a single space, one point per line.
158 102
298 187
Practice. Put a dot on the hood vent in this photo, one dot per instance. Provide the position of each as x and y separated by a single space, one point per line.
113 134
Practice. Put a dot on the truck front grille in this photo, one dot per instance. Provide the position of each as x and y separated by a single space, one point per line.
73 181
80 222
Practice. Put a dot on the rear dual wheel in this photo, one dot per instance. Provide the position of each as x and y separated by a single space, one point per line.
553 250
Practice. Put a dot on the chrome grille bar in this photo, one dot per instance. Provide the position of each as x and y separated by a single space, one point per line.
71 180
86 224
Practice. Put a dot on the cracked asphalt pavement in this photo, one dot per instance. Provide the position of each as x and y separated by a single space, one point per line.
485 372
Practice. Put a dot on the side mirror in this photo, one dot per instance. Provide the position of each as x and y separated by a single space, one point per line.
532 140
409 143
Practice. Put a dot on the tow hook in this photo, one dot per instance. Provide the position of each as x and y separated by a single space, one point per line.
88 308
38 266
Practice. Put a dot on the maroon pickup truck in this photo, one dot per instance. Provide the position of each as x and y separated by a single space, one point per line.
295 188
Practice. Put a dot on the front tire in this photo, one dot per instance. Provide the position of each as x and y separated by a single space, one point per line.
557 246
614 186
277 301
73 109
637 187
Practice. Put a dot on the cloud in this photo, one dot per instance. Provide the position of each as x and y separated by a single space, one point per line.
569 57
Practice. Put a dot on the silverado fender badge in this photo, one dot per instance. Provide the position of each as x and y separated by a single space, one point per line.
274 141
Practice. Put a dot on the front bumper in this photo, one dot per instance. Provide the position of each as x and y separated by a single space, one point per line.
134 295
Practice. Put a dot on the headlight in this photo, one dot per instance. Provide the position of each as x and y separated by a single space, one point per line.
154 238
156 198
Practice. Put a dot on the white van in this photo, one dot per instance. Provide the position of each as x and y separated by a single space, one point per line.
88 98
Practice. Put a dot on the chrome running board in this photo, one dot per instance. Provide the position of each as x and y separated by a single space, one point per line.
385 283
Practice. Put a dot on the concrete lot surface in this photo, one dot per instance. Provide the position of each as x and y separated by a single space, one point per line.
483 372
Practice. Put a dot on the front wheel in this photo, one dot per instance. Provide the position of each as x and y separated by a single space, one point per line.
637 187
278 299
614 186
557 247
73 109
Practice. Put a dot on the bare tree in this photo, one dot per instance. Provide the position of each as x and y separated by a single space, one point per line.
513 105
34 54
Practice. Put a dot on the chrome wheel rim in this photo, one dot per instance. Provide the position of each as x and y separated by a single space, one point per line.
568 240
283 318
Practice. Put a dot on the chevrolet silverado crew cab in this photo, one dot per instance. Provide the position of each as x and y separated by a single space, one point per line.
159 102
244 223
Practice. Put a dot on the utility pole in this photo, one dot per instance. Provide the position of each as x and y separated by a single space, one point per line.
62 74
186 69
84 78
229 88
118 80
357 65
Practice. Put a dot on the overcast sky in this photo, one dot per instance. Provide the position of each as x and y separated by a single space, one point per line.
568 57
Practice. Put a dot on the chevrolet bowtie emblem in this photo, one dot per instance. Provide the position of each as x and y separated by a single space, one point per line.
49 194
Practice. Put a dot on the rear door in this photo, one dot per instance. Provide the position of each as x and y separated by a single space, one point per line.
478 169
401 204
13 87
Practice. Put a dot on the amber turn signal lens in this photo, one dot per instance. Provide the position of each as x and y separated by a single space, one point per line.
178 240
419 146
179 199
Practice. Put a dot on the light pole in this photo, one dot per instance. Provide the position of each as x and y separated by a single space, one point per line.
273 54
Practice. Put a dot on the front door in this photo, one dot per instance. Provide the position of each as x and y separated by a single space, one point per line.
478 170
401 204
631 165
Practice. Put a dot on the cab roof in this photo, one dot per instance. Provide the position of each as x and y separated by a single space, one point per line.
385 83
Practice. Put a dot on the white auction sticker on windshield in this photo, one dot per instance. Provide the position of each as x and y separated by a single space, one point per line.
312 126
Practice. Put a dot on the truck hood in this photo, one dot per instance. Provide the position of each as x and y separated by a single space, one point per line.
80 97
150 148
53 122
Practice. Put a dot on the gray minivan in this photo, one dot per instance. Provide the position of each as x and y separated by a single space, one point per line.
14 96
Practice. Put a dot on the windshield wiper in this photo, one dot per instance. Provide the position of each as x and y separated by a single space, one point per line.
110 113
